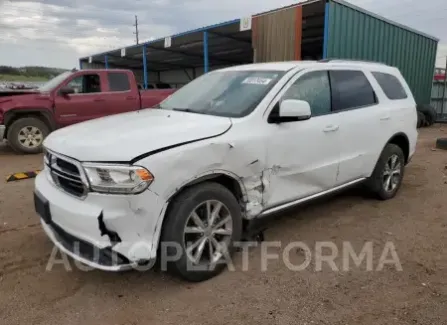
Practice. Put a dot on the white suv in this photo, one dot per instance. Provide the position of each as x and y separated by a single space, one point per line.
232 146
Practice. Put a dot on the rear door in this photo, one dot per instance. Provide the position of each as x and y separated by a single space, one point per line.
121 93
85 103
364 122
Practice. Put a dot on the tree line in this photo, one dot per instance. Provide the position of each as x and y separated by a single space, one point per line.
31 71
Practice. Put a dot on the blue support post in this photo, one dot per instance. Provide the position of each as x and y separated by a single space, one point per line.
326 30
205 52
106 61
144 67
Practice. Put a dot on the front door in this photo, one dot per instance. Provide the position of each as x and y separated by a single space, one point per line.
85 104
304 155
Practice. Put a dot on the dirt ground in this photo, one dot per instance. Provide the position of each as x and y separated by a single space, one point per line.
415 222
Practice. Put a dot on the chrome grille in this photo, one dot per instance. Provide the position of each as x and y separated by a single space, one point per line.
66 174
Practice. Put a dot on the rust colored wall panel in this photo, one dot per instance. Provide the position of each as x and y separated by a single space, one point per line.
298 32
274 36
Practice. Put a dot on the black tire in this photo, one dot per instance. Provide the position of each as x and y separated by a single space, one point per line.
376 183
18 125
174 230
421 120
441 143
429 113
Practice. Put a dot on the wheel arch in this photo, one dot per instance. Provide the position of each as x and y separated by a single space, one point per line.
40 113
227 179
401 140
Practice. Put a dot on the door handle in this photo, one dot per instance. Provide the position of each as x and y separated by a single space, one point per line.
98 100
331 128
385 117
130 98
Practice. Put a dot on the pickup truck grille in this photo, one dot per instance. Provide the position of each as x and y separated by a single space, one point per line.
66 174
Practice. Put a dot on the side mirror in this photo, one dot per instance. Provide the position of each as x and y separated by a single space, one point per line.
291 110
64 91
294 109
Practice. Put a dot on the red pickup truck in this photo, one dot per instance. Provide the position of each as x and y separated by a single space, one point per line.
27 117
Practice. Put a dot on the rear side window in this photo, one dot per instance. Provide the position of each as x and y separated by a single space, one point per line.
351 89
118 81
391 86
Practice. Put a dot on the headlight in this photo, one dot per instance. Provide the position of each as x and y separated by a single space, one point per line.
117 179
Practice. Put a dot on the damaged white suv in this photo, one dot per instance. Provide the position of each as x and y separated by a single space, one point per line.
232 146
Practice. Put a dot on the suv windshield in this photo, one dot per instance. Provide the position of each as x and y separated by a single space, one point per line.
53 83
223 93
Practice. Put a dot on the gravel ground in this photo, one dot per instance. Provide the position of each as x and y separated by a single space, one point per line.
414 222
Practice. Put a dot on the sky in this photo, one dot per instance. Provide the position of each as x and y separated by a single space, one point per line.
57 33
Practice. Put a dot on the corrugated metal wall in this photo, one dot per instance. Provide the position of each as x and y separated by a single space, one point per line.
437 94
354 34
276 36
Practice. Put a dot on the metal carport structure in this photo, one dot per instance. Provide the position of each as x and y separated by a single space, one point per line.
309 30
181 57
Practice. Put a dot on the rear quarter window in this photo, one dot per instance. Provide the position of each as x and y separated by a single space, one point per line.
390 85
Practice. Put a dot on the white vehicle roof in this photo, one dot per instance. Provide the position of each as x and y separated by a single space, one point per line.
287 65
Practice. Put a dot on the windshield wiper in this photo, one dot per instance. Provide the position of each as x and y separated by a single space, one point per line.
188 110
182 110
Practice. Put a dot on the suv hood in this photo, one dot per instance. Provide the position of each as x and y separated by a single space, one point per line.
124 137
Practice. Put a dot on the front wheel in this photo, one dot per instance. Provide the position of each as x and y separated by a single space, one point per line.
199 233
26 135
388 173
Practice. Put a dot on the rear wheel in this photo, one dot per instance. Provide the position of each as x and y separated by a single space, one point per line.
26 135
199 233
387 177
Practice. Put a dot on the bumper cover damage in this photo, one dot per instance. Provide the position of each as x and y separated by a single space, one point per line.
114 236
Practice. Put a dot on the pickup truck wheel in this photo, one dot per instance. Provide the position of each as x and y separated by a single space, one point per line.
388 173
26 135
199 233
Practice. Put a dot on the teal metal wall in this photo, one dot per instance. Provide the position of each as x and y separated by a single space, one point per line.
353 33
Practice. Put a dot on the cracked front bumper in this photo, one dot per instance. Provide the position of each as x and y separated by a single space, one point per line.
75 228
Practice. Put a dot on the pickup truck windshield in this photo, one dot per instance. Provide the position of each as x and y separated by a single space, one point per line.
56 81
224 93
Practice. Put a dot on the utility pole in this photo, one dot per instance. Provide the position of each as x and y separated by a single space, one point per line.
136 28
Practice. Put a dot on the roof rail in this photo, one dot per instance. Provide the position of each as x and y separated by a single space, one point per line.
350 60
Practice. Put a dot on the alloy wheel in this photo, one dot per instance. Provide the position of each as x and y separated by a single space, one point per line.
30 137
392 173
208 231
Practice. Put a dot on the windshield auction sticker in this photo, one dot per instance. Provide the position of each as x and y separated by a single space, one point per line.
257 81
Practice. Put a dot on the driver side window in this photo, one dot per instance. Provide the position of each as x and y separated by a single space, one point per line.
314 88
86 84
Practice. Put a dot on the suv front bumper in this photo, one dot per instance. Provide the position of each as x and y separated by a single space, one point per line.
2 132
107 232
